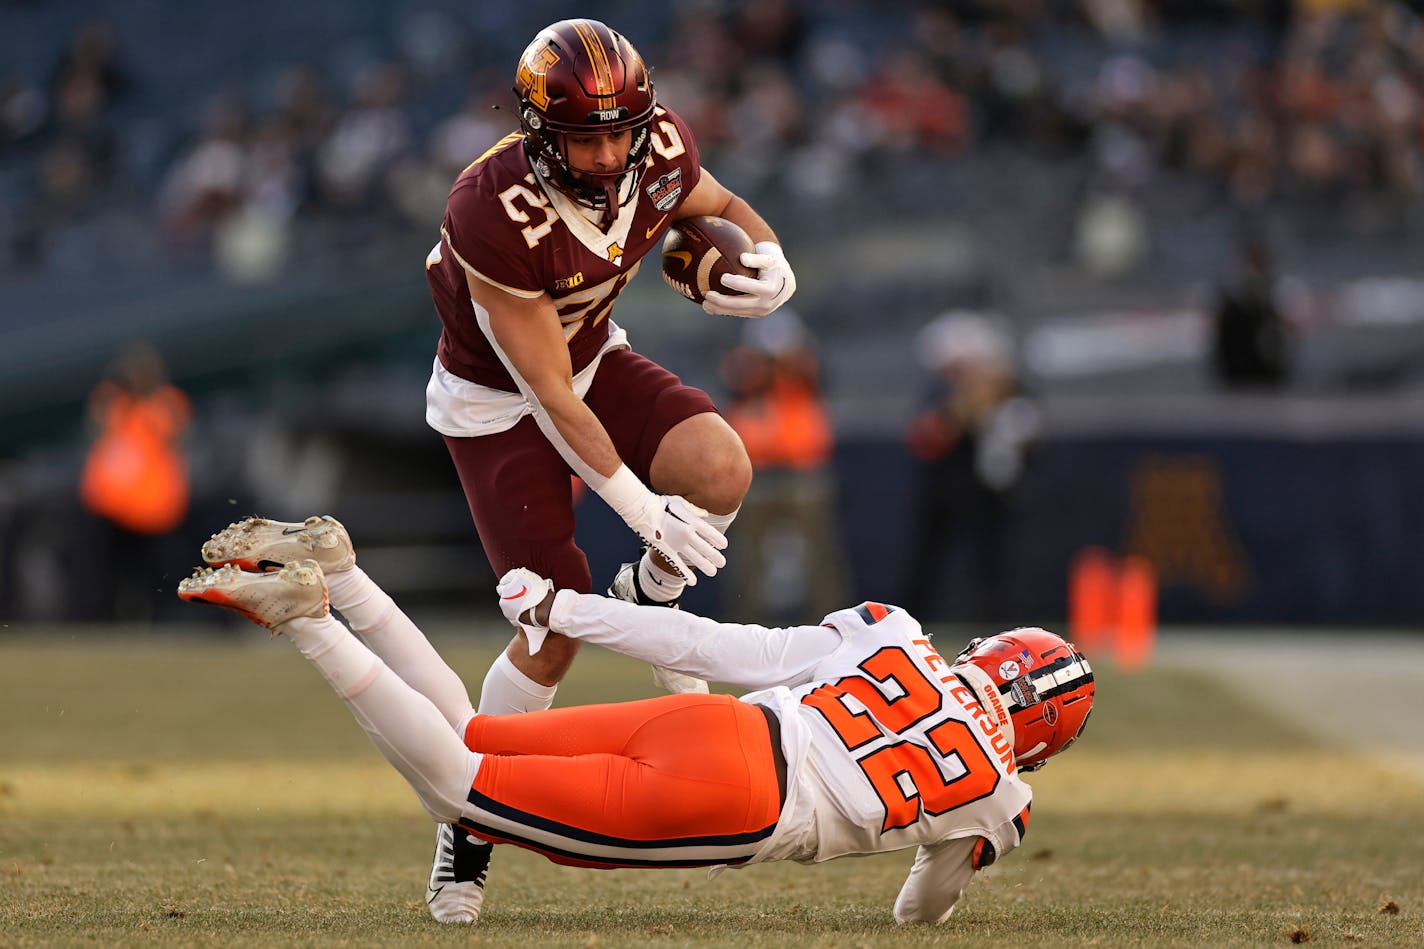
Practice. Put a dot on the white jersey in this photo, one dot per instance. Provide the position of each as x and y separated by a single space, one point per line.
887 746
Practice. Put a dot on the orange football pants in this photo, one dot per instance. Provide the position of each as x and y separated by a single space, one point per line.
681 780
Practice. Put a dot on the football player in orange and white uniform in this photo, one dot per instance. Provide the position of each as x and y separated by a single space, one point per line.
533 380
859 736
885 744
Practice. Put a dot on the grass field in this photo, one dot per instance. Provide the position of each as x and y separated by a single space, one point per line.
164 792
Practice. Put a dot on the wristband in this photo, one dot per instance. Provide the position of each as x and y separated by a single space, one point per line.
627 495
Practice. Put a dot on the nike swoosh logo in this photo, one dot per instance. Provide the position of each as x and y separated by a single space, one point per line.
683 255
433 891
514 596
654 229
286 531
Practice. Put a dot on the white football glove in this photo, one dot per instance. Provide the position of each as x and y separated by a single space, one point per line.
670 524
759 295
680 534
520 591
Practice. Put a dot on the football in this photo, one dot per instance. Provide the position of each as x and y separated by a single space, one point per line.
698 251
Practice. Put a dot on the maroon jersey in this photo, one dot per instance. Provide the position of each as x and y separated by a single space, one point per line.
505 228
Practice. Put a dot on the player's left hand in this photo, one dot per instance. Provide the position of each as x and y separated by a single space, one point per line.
521 591
756 296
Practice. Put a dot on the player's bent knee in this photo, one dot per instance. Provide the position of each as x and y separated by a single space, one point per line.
443 788
726 478
704 461
443 811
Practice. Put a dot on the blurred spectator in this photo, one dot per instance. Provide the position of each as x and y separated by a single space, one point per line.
354 162
1110 235
789 559
22 111
236 190
1250 344
206 184
77 158
767 118
910 108
770 29
465 136
420 187
971 442
1121 22
135 483
91 60
306 116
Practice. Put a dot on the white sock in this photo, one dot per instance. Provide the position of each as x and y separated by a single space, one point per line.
722 521
662 587
507 690
405 726
656 583
400 643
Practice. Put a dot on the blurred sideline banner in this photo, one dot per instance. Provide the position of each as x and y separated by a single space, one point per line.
1240 530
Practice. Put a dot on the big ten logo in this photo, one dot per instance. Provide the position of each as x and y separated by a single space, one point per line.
1177 520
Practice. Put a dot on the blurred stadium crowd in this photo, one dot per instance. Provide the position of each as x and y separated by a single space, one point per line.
252 188
128 148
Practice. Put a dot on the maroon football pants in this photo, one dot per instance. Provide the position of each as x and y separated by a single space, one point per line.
519 487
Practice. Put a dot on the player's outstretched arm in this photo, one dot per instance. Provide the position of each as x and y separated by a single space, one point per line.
529 339
940 873
744 655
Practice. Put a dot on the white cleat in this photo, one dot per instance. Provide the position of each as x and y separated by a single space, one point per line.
256 543
625 587
457 879
268 599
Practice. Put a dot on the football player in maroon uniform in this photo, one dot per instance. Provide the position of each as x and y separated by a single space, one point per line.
533 380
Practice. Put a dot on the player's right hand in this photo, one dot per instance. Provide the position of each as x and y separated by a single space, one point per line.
521 590
757 296
669 524
682 535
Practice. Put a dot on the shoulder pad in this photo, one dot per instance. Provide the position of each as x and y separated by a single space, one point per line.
873 613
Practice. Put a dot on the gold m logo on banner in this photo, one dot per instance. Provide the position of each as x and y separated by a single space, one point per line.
1177 519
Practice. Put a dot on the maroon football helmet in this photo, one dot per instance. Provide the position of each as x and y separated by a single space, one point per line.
580 77
1045 684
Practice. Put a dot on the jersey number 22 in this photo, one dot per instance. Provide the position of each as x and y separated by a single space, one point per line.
909 778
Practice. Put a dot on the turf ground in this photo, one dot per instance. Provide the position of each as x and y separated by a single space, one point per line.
163 791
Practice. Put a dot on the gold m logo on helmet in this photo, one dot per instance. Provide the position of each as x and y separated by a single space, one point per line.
533 70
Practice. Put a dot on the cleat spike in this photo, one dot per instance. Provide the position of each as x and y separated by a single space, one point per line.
259 544
268 599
